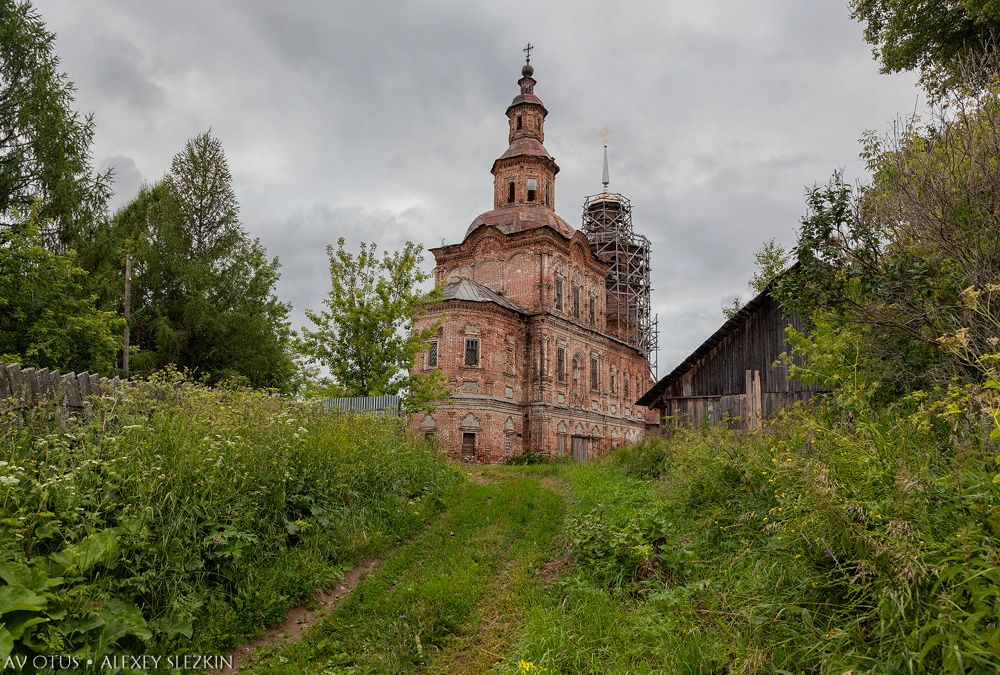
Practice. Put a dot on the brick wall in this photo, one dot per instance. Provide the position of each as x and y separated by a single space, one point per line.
514 400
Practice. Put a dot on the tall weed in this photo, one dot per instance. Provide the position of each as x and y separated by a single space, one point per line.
180 520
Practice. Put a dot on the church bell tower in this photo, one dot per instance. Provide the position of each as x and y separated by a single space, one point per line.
526 172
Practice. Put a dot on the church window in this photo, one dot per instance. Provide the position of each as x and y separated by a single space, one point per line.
593 311
561 363
548 192
576 301
559 293
471 352
510 192
594 373
614 382
432 354
518 121
532 188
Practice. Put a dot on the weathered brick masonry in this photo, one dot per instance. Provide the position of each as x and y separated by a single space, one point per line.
523 334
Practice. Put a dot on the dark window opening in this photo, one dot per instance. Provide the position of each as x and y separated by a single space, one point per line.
593 311
432 355
561 363
468 445
510 192
576 302
518 121
548 192
559 294
471 352
532 188
594 379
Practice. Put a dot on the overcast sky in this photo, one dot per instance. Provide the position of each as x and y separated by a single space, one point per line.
380 120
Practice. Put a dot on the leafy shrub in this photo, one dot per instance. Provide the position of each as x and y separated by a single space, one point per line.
626 555
180 520
646 459
529 457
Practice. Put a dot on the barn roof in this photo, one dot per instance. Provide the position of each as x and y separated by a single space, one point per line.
728 328
467 289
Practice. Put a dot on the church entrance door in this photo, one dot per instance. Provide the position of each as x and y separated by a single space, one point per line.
580 444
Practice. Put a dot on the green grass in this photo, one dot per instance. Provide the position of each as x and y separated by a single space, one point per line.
184 520
842 538
424 608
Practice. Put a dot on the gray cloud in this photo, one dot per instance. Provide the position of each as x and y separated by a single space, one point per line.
380 120
122 72
127 178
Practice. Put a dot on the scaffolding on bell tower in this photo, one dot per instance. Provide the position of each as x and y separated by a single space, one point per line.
607 224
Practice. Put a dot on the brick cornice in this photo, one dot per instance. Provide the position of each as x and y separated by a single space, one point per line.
518 239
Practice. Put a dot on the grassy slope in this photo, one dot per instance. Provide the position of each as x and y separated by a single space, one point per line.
579 624
182 521
830 543
428 606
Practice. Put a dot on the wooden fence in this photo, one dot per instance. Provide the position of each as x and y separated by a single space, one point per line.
388 405
28 386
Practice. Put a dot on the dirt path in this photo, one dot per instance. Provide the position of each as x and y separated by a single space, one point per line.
448 600
301 618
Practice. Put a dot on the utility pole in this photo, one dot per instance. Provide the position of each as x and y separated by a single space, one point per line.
128 310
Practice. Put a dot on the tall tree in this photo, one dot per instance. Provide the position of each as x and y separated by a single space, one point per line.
771 259
44 143
200 181
365 336
203 293
937 38
913 258
47 318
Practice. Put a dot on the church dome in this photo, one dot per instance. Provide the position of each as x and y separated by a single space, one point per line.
521 217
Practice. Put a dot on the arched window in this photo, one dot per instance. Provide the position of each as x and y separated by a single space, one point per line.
532 188
510 192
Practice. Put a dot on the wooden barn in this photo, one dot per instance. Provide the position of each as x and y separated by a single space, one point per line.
733 376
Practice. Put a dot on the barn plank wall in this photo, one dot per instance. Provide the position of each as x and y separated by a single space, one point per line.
724 383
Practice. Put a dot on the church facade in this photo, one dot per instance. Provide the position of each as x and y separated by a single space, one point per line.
540 349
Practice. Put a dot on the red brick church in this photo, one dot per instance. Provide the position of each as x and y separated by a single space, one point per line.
544 330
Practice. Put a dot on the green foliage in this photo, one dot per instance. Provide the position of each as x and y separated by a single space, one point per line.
181 520
904 257
365 336
771 259
47 319
203 291
932 37
44 143
851 536
626 555
733 308
646 459
425 390
406 615
527 458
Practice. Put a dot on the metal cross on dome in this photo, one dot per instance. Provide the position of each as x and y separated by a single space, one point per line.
604 133
527 52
